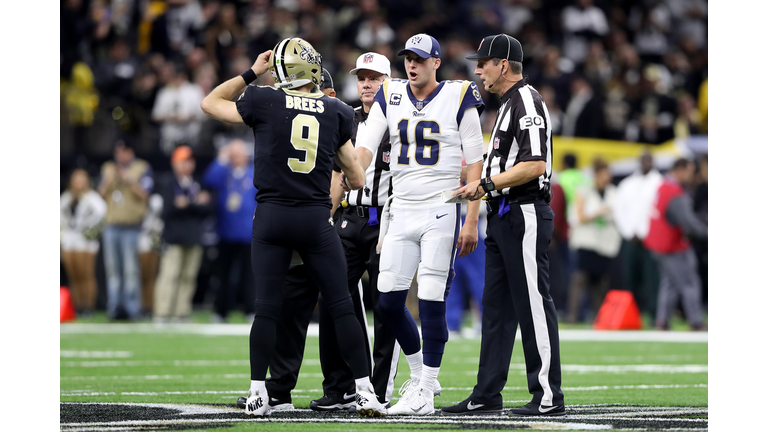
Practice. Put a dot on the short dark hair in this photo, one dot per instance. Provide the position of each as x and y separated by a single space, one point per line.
569 161
681 163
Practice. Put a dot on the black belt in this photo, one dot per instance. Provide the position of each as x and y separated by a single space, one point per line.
362 211
493 204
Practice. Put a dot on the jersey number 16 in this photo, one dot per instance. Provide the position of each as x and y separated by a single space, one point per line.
427 151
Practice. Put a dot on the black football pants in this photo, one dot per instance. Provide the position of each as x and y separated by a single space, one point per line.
517 292
278 230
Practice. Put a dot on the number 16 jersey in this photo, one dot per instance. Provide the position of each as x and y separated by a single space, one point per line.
429 137
297 135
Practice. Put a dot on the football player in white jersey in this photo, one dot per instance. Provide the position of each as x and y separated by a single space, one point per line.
432 125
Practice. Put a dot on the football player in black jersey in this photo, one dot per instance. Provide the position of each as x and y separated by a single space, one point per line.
299 132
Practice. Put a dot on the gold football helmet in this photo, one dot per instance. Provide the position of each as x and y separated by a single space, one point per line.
294 63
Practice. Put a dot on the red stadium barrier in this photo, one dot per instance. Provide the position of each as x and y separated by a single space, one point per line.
67 308
618 312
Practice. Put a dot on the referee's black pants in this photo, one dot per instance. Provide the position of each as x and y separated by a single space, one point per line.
517 292
359 239
299 300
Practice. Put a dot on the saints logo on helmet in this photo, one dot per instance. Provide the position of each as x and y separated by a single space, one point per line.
295 63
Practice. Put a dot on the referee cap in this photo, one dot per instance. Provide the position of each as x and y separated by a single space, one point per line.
372 61
326 81
499 46
423 45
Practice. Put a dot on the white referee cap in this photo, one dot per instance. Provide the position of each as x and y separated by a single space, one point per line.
372 61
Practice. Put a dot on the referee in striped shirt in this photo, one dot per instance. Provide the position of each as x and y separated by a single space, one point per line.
517 171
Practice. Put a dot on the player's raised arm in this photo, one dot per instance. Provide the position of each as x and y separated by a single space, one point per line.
219 104
354 174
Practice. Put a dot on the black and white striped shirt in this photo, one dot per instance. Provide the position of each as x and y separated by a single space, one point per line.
378 180
522 132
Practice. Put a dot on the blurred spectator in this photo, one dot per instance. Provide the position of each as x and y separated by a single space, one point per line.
185 206
80 102
596 240
467 286
632 212
224 35
556 114
656 111
82 214
571 180
150 243
126 184
688 121
596 69
230 176
177 109
672 222
689 21
559 250
176 30
582 22
555 72
651 23
114 76
584 113
616 112
701 208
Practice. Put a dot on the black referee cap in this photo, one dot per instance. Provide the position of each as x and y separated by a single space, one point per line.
499 46
326 81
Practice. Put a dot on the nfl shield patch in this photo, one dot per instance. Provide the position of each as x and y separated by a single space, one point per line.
385 157
496 143
368 58
344 224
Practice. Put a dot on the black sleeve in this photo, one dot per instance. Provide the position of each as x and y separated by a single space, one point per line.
247 104
346 123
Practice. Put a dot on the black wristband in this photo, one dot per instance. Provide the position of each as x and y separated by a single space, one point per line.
249 76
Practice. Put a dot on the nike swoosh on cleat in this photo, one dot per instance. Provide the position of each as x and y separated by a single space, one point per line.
546 410
473 406
348 396
419 408
438 217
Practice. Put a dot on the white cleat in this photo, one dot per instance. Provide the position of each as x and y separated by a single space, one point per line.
414 401
437 389
368 405
257 406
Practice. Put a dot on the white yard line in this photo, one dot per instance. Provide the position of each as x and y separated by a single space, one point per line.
245 329
242 392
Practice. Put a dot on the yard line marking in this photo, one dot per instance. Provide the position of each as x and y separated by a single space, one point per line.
215 392
95 354
313 330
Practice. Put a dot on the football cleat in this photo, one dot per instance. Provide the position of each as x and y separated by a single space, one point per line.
468 407
257 406
368 405
534 409
333 403
276 404
414 401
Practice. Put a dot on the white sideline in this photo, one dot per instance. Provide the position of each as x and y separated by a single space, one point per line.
245 329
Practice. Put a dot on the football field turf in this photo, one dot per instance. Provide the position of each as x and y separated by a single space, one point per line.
132 377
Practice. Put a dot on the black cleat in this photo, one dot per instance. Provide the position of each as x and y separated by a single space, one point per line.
467 407
533 409
333 403
276 404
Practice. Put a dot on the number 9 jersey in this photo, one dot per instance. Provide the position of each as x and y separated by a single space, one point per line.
296 137
429 137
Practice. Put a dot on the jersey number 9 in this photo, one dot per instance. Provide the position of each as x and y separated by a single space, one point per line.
305 132
427 150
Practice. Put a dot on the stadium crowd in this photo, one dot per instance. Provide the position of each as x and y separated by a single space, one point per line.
133 74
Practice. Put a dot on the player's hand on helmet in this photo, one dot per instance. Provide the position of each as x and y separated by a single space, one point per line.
261 65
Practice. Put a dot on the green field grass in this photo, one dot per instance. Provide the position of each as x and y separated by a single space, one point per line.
152 365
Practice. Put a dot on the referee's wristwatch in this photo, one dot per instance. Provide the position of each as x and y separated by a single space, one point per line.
487 184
